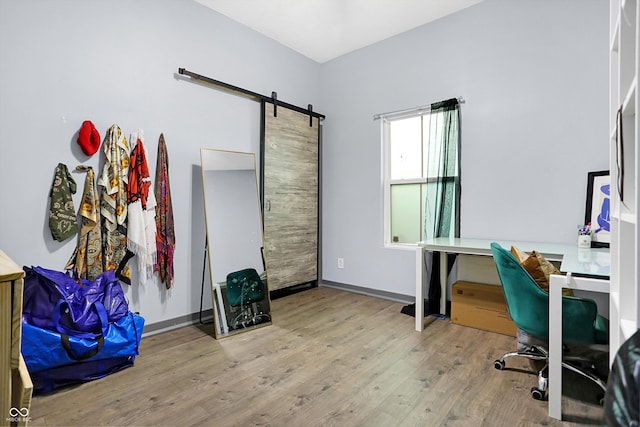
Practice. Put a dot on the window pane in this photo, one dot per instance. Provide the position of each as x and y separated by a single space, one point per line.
437 127
406 209
405 147
413 149
433 192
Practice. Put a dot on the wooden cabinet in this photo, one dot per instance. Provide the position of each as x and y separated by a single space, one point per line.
290 183
15 384
625 295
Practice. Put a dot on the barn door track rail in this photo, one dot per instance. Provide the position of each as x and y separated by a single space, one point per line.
273 99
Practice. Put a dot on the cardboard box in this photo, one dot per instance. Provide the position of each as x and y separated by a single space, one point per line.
481 306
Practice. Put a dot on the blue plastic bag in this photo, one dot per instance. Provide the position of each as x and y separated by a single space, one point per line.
50 379
46 349
55 301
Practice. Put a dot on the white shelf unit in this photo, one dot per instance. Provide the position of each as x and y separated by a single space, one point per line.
624 309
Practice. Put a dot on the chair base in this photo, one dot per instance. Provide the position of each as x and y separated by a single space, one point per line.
538 353
532 353
248 317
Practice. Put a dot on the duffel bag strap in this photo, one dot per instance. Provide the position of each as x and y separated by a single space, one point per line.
63 305
67 347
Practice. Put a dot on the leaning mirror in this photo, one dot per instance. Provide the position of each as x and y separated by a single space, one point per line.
239 292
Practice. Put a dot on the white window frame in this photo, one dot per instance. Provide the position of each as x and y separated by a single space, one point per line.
385 120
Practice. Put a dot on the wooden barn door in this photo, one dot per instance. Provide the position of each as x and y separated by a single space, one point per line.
290 196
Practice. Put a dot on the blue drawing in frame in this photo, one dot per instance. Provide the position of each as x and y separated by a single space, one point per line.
598 206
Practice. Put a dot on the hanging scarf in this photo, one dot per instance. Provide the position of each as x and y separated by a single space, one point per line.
141 232
86 261
63 222
113 203
165 236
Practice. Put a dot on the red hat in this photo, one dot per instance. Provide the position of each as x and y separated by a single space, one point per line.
89 138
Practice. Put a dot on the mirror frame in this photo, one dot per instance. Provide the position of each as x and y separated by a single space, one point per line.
214 289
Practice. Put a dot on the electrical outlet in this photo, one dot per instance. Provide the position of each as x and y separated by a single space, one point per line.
340 262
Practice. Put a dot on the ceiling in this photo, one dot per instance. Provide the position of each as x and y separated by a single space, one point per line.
325 29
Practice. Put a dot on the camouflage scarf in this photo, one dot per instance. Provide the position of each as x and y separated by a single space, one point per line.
63 222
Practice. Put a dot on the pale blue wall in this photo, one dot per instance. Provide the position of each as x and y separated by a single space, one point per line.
534 75
114 61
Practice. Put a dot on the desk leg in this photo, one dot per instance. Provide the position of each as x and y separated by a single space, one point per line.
444 278
555 346
419 290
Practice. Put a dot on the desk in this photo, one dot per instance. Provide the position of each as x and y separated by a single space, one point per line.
595 264
587 269
444 245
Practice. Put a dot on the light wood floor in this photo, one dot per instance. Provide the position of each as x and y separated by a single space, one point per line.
331 358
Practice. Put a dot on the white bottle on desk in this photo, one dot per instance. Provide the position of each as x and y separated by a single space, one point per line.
584 241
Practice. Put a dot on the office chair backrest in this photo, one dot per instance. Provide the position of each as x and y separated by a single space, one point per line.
244 287
528 305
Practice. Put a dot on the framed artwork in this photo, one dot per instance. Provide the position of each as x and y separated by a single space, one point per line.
597 210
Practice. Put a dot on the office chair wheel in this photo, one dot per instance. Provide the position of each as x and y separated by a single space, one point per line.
537 394
499 364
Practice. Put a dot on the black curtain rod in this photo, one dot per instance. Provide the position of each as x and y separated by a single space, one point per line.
251 95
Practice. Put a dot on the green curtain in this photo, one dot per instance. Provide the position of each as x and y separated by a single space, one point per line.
442 205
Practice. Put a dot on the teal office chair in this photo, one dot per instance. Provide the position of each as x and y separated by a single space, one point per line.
528 306
245 288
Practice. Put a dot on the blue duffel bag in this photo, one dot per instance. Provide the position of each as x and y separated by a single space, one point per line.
53 300
51 379
44 349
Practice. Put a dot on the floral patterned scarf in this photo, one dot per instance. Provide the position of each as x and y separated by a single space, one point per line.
113 203
86 261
